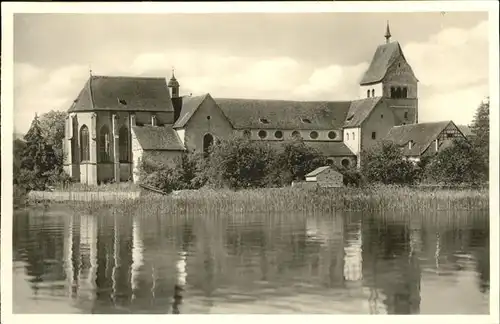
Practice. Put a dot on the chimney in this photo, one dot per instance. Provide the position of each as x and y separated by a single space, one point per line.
177 103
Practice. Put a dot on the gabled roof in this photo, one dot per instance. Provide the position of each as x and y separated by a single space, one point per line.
189 107
158 138
466 130
422 136
383 58
123 94
359 110
281 114
317 171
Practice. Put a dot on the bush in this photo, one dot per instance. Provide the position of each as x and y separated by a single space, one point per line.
384 163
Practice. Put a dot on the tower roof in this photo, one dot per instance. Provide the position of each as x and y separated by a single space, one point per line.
383 58
173 83
387 33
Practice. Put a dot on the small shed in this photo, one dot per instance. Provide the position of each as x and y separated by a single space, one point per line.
326 177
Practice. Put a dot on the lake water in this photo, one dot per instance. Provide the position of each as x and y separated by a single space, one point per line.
351 263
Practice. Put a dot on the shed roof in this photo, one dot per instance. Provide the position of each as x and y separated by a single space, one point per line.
383 58
421 134
158 138
317 171
282 114
330 149
121 93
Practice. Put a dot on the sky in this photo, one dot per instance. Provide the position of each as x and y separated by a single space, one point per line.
307 56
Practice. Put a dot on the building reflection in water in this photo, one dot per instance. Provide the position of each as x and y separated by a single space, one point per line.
137 257
353 262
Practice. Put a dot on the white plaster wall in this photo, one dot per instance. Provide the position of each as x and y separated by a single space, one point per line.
378 87
353 142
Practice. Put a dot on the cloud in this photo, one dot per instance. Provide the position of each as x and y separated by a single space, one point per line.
452 58
452 67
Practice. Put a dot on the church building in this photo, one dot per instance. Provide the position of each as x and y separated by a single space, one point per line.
116 121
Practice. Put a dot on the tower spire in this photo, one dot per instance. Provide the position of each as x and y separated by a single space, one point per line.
387 33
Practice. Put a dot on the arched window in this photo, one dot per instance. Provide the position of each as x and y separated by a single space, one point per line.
123 144
393 92
347 136
208 141
74 141
353 136
404 94
368 93
104 144
84 144
398 92
373 92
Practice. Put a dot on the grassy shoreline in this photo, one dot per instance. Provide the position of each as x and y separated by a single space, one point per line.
373 198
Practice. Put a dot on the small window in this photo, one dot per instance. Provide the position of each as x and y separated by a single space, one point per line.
345 163
393 92
262 134
296 134
382 116
332 135
449 135
122 101
373 92
329 161
247 133
404 123
350 117
306 120
313 134
278 134
404 93
353 136
208 117
406 115
264 121
374 135
347 136
368 93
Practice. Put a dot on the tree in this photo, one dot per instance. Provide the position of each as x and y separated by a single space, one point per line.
480 129
297 159
460 163
386 164
52 125
37 158
238 163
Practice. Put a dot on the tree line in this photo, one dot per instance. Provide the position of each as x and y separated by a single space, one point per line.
239 163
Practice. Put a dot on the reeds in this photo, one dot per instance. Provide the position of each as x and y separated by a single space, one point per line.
292 200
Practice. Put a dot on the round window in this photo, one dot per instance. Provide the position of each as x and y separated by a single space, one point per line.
262 134
332 135
296 134
329 161
278 134
313 134
345 163
247 133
